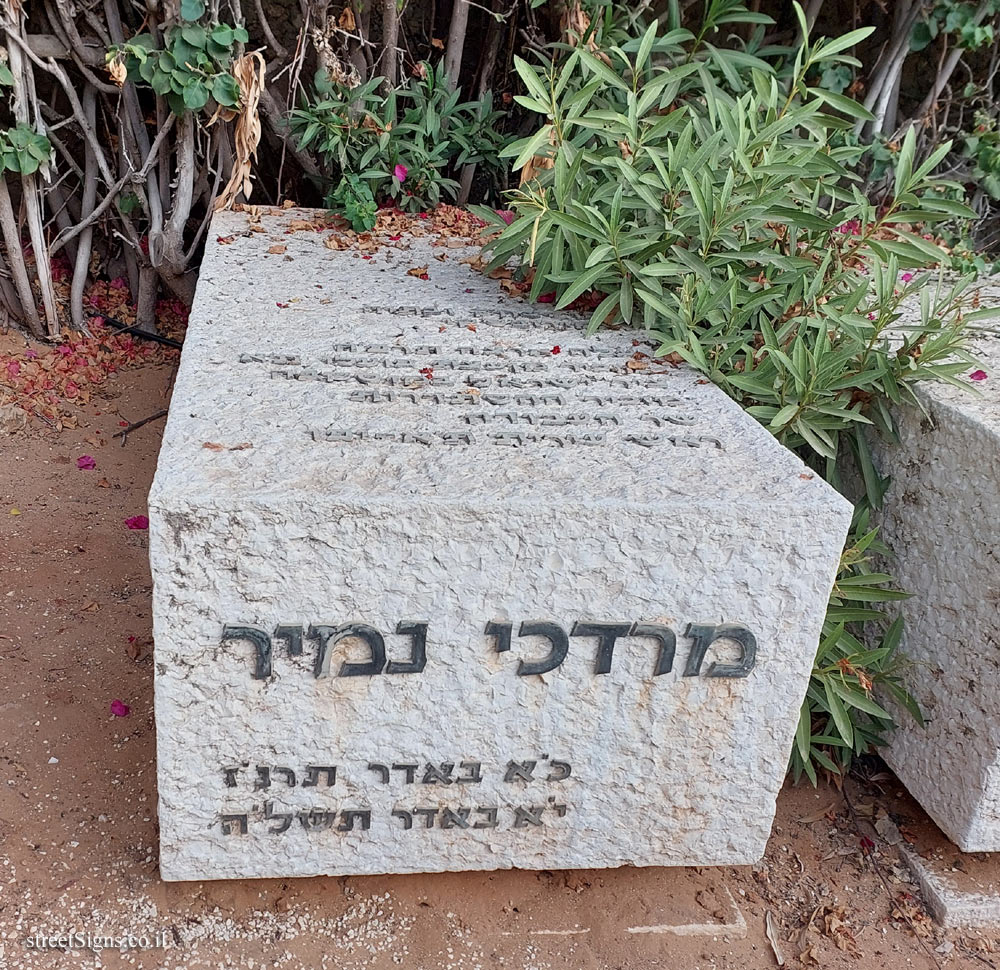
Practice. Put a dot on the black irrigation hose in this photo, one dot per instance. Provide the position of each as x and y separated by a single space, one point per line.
135 331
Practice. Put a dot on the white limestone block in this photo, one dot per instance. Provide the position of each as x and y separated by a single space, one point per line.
942 521
425 458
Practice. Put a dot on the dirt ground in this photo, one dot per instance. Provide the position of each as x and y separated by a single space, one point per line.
78 830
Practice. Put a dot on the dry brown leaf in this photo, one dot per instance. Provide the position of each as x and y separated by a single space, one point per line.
441 256
347 21
90 607
104 483
277 250
213 446
829 809
117 70
420 272
438 43
249 73
771 931
242 446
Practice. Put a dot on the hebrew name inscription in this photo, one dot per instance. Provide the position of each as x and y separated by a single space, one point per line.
326 636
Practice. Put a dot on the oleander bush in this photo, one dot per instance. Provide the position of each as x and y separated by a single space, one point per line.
407 147
709 200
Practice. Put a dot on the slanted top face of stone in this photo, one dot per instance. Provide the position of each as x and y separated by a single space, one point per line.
982 408
322 371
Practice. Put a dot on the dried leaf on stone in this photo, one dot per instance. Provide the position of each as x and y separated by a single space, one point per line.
420 272
213 446
277 250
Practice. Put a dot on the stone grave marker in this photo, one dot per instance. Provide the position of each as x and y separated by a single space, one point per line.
443 584
941 518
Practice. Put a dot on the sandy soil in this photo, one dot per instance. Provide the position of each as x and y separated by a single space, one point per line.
78 833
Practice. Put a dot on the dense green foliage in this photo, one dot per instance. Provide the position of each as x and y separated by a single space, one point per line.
191 67
406 148
707 199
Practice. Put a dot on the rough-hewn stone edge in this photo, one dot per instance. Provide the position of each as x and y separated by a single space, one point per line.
950 907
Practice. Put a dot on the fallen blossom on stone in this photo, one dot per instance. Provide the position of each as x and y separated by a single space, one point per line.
557 349
137 522
978 375
120 708
85 462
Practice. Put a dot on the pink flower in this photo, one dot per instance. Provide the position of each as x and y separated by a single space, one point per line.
137 522
31 354
557 349
423 215
507 215
548 297
906 277
400 172
118 283
978 375
64 349
120 708
85 463
13 368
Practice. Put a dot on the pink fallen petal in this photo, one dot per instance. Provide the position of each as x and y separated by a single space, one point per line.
137 522
30 354
13 368
120 708
978 375
400 172
85 462
548 297
906 277
507 215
